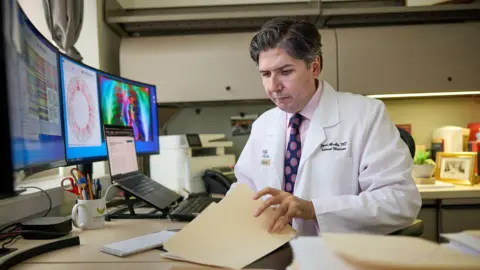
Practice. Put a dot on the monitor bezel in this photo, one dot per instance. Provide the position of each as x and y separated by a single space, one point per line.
152 86
41 166
7 185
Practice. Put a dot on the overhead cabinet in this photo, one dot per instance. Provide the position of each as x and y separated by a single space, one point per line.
409 59
213 67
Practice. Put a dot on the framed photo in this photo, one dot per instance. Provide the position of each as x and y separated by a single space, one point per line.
407 127
456 168
242 125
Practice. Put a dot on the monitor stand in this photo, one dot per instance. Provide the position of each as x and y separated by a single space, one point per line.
128 211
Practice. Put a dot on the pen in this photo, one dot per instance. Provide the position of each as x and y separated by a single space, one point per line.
89 183
94 189
99 189
80 195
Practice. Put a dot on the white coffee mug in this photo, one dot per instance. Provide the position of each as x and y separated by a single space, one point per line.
89 214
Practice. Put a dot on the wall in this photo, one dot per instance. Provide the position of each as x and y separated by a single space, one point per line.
425 114
87 43
108 43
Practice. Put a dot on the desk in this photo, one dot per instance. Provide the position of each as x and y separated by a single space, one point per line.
457 198
456 192
88 255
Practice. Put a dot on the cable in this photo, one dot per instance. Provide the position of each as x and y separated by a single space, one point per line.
10 241
48 196
108 189
15 225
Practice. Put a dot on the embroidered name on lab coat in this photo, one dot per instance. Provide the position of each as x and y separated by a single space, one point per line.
334 146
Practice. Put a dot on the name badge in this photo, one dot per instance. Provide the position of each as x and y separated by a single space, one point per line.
265 157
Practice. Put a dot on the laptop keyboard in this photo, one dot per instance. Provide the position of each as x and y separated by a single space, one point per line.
145 187
139 184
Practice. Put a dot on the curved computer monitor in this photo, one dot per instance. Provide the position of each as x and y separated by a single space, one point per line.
130 103
32 105
35 99
83 128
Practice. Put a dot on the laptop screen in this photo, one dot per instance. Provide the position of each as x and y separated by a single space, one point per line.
122 155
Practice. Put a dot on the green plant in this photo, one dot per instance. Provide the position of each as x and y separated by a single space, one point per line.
423 157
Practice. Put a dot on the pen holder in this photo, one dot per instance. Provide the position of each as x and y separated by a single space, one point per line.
89 214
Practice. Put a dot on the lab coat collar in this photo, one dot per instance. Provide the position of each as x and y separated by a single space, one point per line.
327 111
326 115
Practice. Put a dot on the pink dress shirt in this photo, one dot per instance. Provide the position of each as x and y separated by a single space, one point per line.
307 112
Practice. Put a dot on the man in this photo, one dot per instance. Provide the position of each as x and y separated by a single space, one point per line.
327 161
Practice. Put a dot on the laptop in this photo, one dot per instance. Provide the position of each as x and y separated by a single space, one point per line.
122 160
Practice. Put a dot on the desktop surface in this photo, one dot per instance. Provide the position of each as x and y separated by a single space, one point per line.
88 252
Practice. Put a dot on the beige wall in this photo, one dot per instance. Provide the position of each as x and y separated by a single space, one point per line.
443 111
108 43
87 43
426 114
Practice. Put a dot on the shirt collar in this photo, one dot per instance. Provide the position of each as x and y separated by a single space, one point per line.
312 105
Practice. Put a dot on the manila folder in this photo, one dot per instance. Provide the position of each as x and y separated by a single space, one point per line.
227 234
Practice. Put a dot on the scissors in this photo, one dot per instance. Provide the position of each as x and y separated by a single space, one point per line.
77 176
70 187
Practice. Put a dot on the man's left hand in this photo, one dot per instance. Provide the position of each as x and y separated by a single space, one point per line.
289 207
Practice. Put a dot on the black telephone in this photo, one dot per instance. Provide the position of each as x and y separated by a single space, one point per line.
216 182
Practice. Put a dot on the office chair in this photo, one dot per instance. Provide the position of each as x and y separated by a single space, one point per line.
416 228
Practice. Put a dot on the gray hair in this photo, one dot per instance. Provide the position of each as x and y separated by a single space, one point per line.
300 39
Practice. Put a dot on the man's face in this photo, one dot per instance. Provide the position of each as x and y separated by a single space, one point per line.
289 83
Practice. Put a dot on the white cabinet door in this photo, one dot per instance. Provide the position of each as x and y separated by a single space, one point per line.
195 68
409 59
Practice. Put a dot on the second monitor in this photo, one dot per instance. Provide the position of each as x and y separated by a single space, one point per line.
128 103
93 98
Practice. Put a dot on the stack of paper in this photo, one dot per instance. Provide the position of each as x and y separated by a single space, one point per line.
311 253
466 242
227 234
396 252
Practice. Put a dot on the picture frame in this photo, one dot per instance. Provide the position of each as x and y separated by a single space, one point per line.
456 168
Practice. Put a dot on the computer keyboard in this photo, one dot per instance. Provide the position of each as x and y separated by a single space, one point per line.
188 209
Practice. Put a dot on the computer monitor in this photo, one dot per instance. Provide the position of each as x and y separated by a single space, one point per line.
130 103
84 140
37 101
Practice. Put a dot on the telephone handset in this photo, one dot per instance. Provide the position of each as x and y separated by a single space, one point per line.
216 182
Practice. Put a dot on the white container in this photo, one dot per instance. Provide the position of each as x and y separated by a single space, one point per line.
452 138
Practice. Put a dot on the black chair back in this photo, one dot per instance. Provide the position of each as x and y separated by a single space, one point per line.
408 139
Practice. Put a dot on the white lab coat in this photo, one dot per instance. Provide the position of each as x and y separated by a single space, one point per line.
354 167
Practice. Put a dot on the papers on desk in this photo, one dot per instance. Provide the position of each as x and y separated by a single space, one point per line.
227 234
311 253
467 242
437 185
361 251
